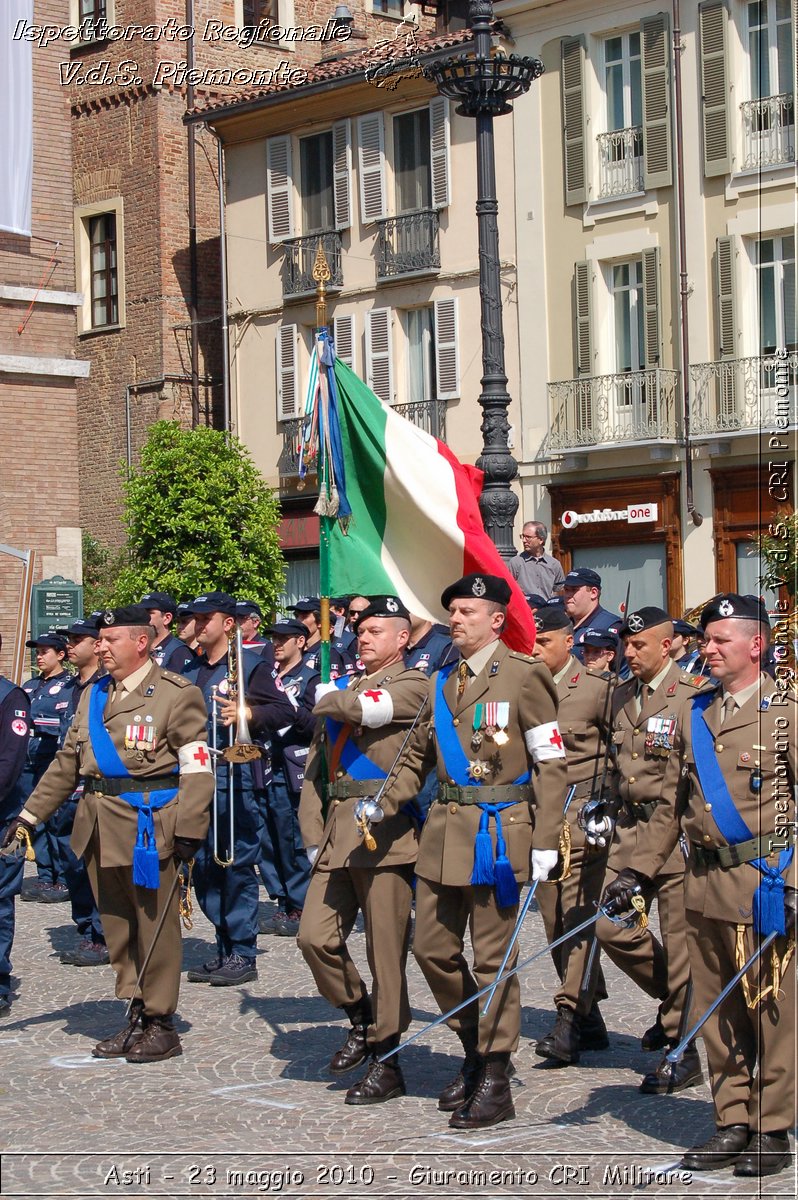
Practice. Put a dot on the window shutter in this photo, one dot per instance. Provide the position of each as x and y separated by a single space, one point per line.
342 173
652 325
344 338
287 382
447 366
726 297
371 159
279 188
439 147
572 70
379 359
713 20
583 313
655 38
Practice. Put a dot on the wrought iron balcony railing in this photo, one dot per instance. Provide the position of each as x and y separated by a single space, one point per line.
768 131
300 255
408 245
288 462
429 415
744 394
612 410
621 161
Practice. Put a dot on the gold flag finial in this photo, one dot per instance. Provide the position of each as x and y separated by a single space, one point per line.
322 276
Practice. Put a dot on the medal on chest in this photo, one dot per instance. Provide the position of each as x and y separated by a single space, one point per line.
659 735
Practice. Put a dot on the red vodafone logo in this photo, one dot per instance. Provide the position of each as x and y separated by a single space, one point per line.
569 519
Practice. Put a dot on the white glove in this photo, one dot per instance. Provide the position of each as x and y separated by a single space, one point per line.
543 863
312 853
322 689
598 830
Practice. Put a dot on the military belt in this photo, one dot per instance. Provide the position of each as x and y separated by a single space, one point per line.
742 852
485 794
584 790
641 811
346 789
117 785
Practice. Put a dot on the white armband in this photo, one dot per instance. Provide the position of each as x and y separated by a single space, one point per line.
377 708
194 757
544 742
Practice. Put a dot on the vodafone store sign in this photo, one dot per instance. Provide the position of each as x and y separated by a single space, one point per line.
633 514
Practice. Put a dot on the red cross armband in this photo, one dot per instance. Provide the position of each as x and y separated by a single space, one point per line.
544 742
194 757
377 706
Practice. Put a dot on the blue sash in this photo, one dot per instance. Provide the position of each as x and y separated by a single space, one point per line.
496 873
356 764
145 853
768 902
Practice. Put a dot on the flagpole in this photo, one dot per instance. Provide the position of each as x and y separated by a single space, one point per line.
321 274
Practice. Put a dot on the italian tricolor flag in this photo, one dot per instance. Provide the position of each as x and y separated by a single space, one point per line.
409 521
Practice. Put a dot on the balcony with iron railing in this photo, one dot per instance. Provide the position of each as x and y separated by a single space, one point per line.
768 131
300 255
739 395
602 411
429 415
620 161
408 245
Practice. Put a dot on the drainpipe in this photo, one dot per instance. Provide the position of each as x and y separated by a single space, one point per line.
192 225
223 272
692 511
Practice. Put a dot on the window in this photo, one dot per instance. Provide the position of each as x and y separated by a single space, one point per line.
621 147
420 334
100 263
412 161
774 261
92 10
626 287
258 12
770 48
451 15
316 177
388 8
90 16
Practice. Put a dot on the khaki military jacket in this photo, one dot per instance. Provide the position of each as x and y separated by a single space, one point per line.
174 711
584 720
446 853
758 743
364 700
640 769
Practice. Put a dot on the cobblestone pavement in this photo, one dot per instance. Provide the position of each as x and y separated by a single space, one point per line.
250 1110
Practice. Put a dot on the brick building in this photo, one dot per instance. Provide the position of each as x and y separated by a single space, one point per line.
39 364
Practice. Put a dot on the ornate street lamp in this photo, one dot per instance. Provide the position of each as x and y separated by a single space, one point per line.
485 84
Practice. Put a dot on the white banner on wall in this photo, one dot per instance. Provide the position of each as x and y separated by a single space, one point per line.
16 118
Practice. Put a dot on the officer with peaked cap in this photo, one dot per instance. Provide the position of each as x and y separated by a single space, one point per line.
138 745
500 761
569 899
363 852
647 713
168 651
735 769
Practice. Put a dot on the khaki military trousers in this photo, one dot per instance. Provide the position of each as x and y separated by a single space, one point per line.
332 903
129 916
443 914
661 970
750 1052
564 904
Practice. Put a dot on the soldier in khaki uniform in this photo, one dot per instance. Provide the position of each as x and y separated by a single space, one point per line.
648 711
363 727
501 768
151 723
565 902
737 754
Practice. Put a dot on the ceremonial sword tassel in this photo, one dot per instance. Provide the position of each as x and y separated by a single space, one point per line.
674 1055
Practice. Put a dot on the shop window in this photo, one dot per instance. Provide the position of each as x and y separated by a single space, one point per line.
301 579
644 564
749 574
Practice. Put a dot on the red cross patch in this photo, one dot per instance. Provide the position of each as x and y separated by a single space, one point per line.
202 756
375 696
556 740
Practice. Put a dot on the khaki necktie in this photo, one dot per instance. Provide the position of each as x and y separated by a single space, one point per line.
641 695
729 705
462 679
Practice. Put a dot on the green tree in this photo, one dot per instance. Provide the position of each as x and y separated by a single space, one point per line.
199 518
101 568
779 550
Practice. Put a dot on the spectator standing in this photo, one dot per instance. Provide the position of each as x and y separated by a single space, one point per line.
536 572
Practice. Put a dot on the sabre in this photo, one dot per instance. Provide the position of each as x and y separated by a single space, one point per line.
676 1053
155 936
521 916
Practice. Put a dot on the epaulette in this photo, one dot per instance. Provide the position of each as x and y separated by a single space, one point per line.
523 657
604 675
693 680
173 677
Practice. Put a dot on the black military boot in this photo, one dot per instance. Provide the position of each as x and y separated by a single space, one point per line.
455 1094
159 1041
122 1043
655 1037
674 1077
592 1030
726 1144
562 1044
355 1049
383 1080
491 1101
765 1154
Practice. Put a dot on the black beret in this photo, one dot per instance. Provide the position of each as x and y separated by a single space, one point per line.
307 604
213 602
288 627
248 608
54 641
160 600
746 608
644 618
481 587
684 628
383 606
600 639
550 618
582 577
129 614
